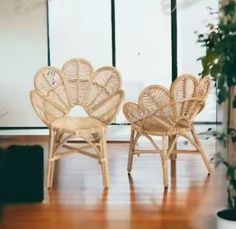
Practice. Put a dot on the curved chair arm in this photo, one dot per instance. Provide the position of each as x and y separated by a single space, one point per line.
134 114
47 110
145 120
156 100
203 89
195 104
191 107
107 110
204 86
202 107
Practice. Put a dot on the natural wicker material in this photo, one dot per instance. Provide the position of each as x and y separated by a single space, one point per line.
169 114
57 92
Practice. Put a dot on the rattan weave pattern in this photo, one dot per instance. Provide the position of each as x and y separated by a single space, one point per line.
169 114
57 92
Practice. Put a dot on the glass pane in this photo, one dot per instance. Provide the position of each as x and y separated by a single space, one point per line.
80 28
143 46
194 16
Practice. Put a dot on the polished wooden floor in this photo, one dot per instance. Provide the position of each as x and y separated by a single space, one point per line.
77 199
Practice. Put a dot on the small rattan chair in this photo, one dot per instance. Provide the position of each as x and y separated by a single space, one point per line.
168 114
58 91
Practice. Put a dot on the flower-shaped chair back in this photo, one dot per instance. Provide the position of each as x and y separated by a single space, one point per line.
57 92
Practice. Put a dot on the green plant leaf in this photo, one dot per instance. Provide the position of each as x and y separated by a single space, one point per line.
222 94
211 57
221 81
230 173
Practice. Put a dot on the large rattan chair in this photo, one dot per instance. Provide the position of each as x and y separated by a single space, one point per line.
58 91
168 114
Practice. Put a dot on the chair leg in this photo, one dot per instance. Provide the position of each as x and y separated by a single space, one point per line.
50 169
104 160
131 147
164 161
173 155
200 149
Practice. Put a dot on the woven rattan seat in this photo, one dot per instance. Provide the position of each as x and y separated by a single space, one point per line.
78 125
57 92
168 114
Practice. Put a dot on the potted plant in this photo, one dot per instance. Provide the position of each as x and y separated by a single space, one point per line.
220 62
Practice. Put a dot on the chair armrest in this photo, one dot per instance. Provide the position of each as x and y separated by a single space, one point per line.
189 107
107 110
133 113
194 103
156 101
146 120
46 109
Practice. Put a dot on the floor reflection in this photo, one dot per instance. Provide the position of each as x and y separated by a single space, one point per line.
171 207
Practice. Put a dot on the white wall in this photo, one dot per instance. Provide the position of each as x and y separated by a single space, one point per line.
23 49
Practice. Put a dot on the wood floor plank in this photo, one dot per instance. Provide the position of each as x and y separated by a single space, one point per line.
136 201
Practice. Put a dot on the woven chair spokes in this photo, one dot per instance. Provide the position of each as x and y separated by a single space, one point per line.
170 115
57 92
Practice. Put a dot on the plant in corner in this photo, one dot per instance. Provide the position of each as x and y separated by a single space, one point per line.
220 62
